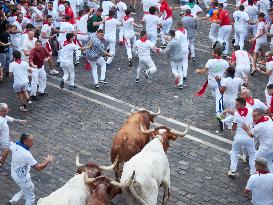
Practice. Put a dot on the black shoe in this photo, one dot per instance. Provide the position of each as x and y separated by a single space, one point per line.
221 125
62 84
233 41
215 44
184 78
224 46
137 80
130 63
103 82
34 98
97 85
163 45
108 66
72 87
180 86
77 63
193 59
42 94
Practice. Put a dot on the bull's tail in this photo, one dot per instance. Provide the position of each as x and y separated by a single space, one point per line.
134 193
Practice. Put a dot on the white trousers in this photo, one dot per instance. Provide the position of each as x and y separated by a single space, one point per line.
166 26
27 191
129 43
112 47
248 144
101 62
268 155
213 32
229 103
38 77
219 104
146 61
223 36
185 62
191 45
177 70
240 36
242 72
152 36
68 69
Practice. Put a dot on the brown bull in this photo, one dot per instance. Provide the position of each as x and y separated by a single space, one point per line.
130 140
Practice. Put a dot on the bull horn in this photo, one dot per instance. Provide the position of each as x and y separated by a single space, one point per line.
88 180
78 164
124 184
134 109
146 132
180 134
154 114
111 167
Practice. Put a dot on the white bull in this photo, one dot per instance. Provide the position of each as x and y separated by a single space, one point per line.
151 168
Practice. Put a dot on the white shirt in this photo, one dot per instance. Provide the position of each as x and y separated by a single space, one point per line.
241 18
216 67
47 30
128 28
269 68
242 59
257 104
4 128
232 85
263 131
252 12
106 6
16 37
27 45
81 24
143 48
21 161
20 72
240 120
121 6
111 29
183 37
151 22
66 53
261 26
68 28
261 187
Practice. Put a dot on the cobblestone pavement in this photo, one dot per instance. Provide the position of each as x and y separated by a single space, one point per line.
86 119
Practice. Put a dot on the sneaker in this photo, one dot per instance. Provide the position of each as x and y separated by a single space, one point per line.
34 98
215 44
53 72
42 94
231 174
163 45
72 87
97 85
77 62
146 73
23 108
184 78
108 66
62 84
221 124
180 86
29 102
137 80
130 63
103 82
193 59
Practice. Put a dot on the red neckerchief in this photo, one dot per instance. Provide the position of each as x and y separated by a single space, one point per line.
126 18
14 14
108 18
262 20
262 119
79 18
26 31
66 42
46 22
28 17
143 39
218 57
18 20
18 60
182 29
270 59
263 172
250 100
243 111
188 15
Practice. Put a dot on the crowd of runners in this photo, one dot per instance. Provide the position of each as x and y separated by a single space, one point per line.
38 35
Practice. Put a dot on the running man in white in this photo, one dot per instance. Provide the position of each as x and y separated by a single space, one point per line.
121 8
242 116
129 34
21 162
252 11
143 48
166 13
110 26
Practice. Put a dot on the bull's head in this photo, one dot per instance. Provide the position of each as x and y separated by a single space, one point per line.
147 115
91 169
164 134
